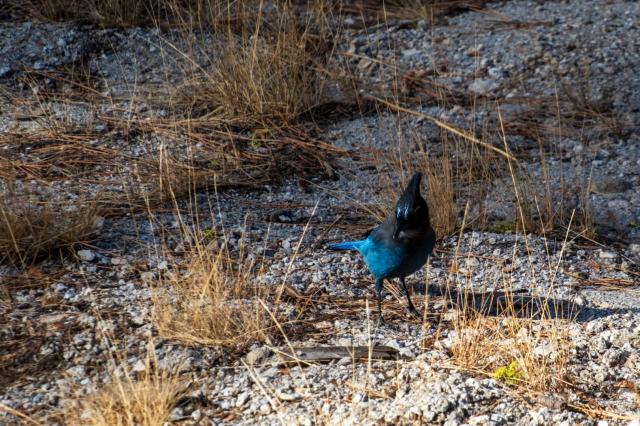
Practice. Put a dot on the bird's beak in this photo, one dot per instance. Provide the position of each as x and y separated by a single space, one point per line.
396 231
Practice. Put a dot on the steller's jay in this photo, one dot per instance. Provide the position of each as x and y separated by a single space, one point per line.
400 245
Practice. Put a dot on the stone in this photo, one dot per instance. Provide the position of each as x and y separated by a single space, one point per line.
257 355
483 86
147 277
265 408
607 255
139 367
611 185
242 399
410 52
86 255
5 71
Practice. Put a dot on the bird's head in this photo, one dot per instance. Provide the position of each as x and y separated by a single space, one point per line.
412 212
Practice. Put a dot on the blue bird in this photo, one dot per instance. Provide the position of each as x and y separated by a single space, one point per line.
400 245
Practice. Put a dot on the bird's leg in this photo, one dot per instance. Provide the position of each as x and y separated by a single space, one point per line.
379 283
412 308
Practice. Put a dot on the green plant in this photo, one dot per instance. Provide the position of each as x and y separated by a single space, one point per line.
508 373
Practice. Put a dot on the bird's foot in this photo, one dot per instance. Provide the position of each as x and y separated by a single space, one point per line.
379 322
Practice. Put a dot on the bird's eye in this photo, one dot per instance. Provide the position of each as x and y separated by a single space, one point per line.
402 214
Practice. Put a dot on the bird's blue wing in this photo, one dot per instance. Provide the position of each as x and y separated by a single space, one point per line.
349 245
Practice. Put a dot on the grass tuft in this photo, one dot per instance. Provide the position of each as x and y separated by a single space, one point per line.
146 400
522 352
264 80
106 12
31 229
211 301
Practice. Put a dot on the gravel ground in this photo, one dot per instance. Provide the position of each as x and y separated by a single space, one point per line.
99 299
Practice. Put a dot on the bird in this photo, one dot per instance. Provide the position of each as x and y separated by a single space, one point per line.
400 245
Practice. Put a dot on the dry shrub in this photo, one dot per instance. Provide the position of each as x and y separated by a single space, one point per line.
143 401
264 79
536 351
30 229
107 12
211 301
269 81
410 9
519 338
439 175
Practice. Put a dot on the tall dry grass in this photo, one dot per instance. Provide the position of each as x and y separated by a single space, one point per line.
534 351
31 229
520 339
263 77
144 398
106 12
212 300
449 171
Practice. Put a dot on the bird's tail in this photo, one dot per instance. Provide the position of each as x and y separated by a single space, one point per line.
349 245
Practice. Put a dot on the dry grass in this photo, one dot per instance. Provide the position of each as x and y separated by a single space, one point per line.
262 79
193 13
245 114
517 339
430 10
212 301
262 83
107 12
440 178
30 229
145 400
464 167
535 352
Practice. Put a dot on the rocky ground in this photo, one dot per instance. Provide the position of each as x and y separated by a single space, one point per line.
561 76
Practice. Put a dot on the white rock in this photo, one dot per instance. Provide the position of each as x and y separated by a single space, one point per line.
605 254
283 396
87 255
410 52
256 355
482 87
242 399
147 277
265 408
139 367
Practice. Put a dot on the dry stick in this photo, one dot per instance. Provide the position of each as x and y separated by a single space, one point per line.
295 254
518 197
286 339
13 238
442 125
18 414
271 397
592 412
324 232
